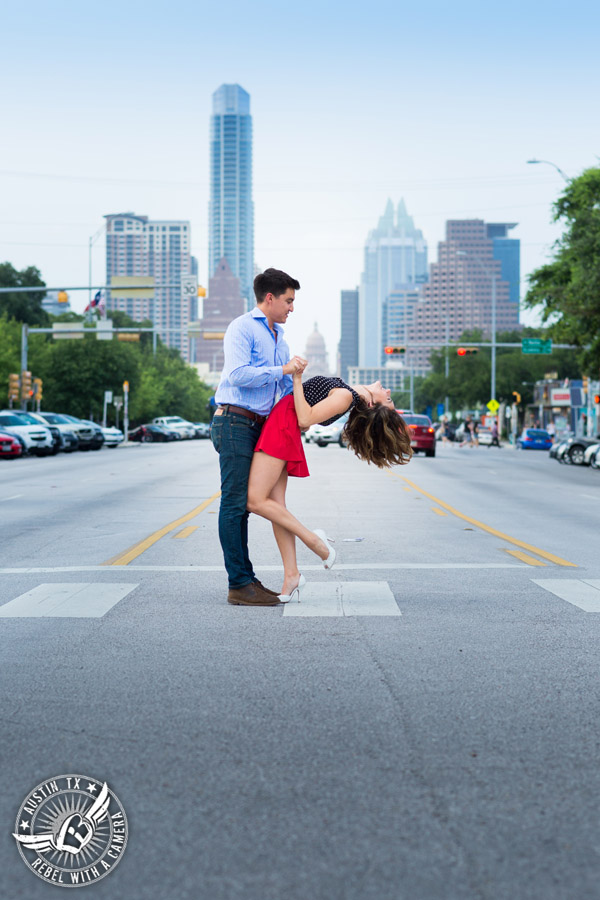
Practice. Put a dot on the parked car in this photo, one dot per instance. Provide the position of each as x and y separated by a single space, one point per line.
63 437
10 445
112 436
534 439
485 436
559 446
36 438
422 434
148 434
69 439
574 449
590 457
327 434
176 423
89 433
202 429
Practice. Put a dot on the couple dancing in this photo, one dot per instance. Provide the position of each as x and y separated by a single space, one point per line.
259 440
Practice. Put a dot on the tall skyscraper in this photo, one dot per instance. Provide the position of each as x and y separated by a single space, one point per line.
458 295
139 247
395 258
348 345
231 210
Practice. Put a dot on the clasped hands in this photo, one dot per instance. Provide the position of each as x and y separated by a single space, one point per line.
296 366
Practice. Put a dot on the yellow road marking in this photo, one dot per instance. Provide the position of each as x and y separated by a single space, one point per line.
557 560
530 560
440 512
123 559
185 532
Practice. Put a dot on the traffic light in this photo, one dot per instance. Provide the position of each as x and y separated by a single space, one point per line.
63 297
394 351
596 398
26 390
517 397
128 336
14 386
37 389
201 291
467 351
585 383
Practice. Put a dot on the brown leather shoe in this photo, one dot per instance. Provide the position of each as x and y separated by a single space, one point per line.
267 590
251 595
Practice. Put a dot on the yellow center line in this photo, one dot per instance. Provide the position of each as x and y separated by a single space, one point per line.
440 512
123 559
557 560
185 532
530 560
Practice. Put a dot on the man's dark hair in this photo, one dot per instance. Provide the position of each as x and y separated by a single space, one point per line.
273 281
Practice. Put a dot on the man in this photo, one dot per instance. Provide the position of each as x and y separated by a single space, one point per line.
257 372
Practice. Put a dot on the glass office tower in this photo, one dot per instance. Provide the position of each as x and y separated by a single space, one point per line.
231 210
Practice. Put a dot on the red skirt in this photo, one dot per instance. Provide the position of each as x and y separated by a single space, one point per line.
280 437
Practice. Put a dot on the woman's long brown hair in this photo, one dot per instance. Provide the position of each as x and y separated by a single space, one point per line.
378 435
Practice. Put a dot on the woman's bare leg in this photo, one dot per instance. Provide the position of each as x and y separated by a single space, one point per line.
286 541
265 472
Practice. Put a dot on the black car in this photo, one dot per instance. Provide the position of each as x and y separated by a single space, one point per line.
576 447
150 434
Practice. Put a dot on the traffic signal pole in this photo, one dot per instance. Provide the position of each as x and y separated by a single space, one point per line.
24 341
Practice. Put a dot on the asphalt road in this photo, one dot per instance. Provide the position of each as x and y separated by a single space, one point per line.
447 750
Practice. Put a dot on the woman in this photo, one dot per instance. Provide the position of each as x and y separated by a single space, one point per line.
374 431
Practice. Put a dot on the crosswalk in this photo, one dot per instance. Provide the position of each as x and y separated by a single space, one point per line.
325 599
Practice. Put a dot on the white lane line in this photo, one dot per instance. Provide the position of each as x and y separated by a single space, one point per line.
14 497
75 600
345 599
32 570
584 594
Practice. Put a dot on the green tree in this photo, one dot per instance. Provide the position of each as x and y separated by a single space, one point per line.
10 354
568 288
24 307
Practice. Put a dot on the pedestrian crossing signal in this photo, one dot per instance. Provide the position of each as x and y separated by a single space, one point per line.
467 351
394 351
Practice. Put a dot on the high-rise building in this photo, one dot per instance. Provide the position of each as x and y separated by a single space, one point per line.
223 304
348 345
231 210
137 246
458 295
395 259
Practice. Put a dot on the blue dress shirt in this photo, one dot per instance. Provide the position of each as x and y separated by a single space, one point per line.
253 371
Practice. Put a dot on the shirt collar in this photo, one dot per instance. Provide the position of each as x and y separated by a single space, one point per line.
257 313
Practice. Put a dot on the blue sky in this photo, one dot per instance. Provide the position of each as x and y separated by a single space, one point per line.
106 109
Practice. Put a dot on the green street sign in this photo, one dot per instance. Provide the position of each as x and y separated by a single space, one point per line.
535 345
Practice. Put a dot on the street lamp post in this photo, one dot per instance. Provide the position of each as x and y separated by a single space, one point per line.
548 163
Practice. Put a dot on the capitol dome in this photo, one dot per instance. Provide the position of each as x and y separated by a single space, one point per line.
316 354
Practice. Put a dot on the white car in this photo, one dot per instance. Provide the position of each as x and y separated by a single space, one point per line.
37 438
112 436
176 423
327 434
590 456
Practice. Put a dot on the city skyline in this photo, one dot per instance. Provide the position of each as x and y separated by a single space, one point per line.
483 100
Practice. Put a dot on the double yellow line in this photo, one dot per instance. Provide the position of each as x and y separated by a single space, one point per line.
557 560
123 559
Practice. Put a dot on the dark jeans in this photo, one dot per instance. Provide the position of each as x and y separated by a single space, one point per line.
234 438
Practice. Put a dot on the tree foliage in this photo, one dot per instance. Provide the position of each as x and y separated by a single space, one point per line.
568 288
24 307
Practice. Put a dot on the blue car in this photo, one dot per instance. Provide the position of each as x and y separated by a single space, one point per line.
534 439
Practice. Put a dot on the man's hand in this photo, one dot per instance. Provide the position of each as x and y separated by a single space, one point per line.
295 366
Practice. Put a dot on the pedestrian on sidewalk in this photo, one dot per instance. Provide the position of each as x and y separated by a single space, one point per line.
256 373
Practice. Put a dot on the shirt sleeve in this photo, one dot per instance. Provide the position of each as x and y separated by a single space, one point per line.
237 348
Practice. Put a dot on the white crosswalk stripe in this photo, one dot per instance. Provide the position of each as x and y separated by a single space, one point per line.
583 593
71 600
348 598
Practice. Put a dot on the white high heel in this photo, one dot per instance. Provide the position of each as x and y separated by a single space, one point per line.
285 598
327 563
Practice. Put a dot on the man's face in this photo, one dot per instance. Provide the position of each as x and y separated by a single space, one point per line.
278 308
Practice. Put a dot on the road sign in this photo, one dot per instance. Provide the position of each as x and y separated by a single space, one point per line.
535 345
108 395
440 409
189 287
493 406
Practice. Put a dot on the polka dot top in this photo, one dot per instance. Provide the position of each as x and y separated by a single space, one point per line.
318 388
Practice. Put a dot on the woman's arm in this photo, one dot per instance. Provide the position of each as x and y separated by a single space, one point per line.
338 402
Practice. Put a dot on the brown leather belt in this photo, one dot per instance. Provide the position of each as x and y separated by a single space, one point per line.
227 407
